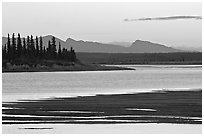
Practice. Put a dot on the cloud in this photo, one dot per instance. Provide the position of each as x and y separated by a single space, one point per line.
165 18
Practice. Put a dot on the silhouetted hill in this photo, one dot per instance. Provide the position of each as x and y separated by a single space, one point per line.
87 46
138 46
148 47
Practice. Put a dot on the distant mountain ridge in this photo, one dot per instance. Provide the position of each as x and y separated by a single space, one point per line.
138 46
149 47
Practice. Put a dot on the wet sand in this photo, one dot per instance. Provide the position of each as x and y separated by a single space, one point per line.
177 107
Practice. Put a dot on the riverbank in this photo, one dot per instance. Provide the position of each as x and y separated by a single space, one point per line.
177 107
55 67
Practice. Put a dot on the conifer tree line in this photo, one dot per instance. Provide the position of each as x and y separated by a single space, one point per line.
30 48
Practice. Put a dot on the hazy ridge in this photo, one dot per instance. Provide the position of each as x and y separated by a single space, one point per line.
138 46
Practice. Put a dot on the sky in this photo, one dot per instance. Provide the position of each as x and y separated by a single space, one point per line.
173 24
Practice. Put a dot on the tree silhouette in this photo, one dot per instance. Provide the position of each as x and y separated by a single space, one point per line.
37 48
73 55
59 51
13 53
41 47
26 49
19 46
48 54
9 49
32 47
53 48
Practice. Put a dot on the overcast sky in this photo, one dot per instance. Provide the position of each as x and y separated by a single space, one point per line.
172 24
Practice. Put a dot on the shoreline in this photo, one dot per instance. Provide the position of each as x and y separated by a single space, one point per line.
177 107
156 63
68 68
92 67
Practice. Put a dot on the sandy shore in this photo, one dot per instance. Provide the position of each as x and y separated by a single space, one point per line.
178 107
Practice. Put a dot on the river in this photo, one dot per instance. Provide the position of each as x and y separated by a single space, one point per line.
40 85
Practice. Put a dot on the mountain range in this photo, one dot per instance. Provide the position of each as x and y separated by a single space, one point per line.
138 46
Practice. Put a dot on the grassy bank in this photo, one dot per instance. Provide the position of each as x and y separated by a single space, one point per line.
181 107
59 67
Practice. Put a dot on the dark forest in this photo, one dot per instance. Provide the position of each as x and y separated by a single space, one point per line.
31 51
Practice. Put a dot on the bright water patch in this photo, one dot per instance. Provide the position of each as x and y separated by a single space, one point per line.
70 84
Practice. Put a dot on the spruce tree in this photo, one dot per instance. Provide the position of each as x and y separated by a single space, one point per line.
37 48
72 55
41 47
13 54
44 52
9 49
19 46
24 47
32 45
53 48
28 47
49 49
59 51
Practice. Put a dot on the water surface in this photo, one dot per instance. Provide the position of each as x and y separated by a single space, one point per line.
37 85
32 85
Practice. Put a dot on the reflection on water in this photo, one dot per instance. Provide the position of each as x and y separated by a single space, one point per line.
144 78
133 109
53 84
